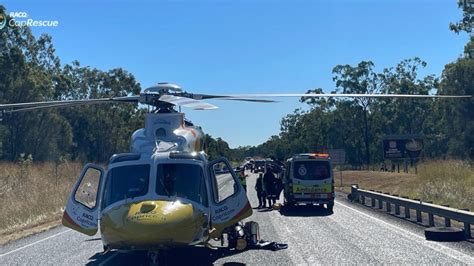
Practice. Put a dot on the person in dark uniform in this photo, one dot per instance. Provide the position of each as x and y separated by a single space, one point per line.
260 192
269 186
278 187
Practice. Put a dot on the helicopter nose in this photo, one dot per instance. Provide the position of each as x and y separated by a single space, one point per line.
152 223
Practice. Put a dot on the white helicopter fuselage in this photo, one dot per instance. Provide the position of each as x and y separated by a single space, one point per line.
162 194
162 130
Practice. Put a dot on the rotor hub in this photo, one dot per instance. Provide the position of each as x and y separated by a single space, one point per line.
163 87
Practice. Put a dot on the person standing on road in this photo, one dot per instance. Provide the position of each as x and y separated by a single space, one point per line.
269 186
260 192
278 187
243 179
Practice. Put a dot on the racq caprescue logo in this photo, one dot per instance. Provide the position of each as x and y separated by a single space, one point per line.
21 19
3 20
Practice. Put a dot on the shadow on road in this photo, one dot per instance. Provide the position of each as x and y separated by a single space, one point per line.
178 256
305 211
265 210
93 239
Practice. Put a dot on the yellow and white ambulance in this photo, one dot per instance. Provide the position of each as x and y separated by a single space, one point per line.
308 179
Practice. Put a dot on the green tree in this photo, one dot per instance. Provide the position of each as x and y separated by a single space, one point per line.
467 22
30 71
360 79
456 119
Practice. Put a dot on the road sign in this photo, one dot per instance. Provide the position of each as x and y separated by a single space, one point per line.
338 156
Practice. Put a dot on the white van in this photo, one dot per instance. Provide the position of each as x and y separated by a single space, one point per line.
309 179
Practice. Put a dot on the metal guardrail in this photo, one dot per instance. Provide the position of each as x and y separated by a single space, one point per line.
464 216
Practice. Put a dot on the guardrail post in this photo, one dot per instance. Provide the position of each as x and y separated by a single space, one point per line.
397 207
467 227
354 194
430 219
467 230
389 206
362 200
407 212
447 222
430 216
418 216
380 204
418 213
372 202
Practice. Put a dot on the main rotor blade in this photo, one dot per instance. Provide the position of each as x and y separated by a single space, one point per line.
50 104
247 100
187 102
38 107
59 105
197 96
323 95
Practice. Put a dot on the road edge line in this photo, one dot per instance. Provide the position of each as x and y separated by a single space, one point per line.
442 249
34 243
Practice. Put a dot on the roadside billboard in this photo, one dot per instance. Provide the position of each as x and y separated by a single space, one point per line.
402 147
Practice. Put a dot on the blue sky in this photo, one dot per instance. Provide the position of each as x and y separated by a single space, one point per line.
247 46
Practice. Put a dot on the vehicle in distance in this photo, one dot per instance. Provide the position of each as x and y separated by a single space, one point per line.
308 179
249 163
259 166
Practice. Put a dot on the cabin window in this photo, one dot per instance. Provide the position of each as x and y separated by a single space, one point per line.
87 192
182 180
124 182
311 170
225 185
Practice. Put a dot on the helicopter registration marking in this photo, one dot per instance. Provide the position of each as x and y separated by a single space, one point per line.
85 222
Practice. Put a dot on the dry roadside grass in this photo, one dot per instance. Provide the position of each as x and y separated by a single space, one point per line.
33 194
442 182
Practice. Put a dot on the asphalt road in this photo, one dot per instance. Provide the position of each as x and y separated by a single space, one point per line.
352 234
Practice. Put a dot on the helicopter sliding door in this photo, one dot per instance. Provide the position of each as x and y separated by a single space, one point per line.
230 203
82 210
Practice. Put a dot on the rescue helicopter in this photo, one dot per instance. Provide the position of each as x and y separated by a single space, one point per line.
164 192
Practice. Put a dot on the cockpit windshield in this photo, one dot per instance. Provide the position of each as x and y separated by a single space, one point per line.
182 180
124 182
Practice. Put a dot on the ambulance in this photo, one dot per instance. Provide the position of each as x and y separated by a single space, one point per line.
308 179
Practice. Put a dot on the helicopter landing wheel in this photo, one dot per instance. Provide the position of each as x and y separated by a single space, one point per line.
231 242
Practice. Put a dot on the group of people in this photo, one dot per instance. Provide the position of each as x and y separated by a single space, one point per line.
270 188
267 186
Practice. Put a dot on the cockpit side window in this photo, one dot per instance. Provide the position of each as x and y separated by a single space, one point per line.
125 182
182 180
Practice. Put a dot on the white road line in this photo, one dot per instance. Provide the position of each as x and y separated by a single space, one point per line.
433 245
34 243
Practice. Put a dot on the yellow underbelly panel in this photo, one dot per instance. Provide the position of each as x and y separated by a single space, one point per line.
152 223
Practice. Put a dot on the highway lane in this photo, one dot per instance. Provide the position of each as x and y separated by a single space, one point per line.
352 234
